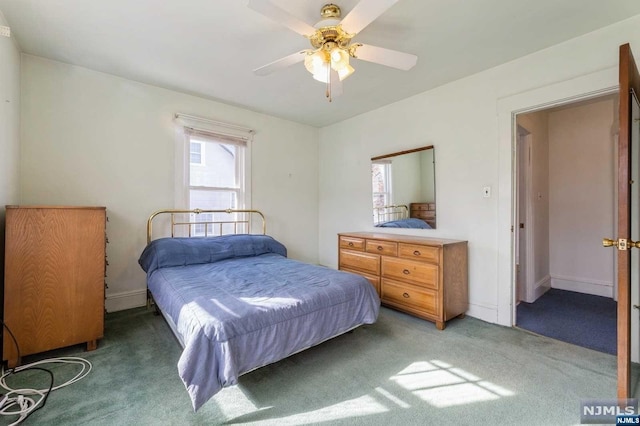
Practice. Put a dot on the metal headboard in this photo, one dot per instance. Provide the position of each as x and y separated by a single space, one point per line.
209 224
394 212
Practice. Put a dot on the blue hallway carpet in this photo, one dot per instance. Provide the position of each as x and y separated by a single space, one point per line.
582 319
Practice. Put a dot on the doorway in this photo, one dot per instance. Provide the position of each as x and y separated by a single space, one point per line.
565 197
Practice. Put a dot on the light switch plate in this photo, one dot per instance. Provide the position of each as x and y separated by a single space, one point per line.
486 192
5 31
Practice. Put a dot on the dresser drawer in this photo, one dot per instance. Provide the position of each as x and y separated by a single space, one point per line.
360 261
423 214
382 247
352 243
418 252
420 206
419 273
423 206
405 295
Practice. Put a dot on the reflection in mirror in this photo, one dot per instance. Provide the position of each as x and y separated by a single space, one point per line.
404 190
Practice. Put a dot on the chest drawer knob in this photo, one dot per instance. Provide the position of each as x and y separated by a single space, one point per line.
380 248
406 271
350 244
405 295
416 253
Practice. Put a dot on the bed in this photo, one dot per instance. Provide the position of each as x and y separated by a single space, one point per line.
389 213
236 303
396 216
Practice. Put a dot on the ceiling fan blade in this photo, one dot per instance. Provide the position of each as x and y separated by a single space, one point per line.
364 13
391 58
336 85
281 16
281 63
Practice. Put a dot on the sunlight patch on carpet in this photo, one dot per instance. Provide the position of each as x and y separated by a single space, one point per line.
365 405
400 403
443 385
233 402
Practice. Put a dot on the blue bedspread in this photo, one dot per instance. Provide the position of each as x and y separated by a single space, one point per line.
405 223
242 312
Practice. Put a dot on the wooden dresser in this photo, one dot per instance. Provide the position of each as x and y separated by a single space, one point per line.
424 211
425 277
55 268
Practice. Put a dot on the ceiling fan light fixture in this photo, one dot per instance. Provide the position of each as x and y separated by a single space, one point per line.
339 58
316 62
322 74
345 72
322 61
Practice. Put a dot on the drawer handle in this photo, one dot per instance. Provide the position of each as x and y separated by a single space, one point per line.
416 253
380 248
406 271
350 244
405 295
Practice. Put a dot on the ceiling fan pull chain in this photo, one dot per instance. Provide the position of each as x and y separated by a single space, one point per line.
328 94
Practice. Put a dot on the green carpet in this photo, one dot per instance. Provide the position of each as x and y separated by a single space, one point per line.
399 371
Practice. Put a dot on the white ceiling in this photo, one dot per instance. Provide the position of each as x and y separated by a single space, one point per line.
210 47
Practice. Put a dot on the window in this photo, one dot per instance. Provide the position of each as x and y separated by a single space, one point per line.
204 228
213 170
381 184
196 153
216 182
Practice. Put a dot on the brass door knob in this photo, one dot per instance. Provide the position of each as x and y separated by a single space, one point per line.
622 243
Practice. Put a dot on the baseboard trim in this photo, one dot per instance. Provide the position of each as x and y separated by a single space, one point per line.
582 285
125 300
483 312
542 287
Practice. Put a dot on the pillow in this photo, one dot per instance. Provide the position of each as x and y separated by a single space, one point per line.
168 252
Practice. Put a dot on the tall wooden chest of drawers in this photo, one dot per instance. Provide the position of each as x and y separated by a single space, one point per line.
425 277
54 278
424 211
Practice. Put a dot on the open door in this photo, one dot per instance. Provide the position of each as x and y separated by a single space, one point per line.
629 91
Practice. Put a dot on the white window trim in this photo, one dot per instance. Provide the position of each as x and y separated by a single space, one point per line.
182 154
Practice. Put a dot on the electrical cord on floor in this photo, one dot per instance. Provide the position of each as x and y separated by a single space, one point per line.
19 402
16 403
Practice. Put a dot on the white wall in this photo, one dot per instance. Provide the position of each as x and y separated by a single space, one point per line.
581 207
90 138
470 124
9 130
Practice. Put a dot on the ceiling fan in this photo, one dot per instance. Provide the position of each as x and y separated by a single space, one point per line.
331 41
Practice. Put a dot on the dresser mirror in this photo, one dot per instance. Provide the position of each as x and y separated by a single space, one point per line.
404 190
